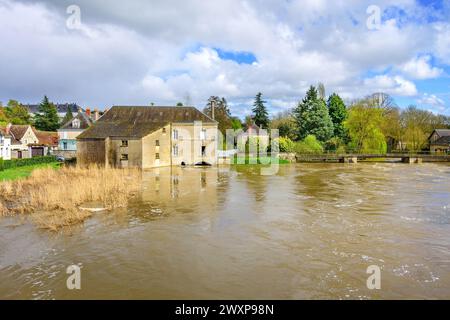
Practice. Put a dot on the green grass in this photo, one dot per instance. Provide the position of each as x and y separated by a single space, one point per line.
257 160
23 172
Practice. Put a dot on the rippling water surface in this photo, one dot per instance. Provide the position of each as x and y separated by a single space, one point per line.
310 231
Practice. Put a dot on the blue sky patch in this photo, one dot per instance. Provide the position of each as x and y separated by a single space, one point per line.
241 57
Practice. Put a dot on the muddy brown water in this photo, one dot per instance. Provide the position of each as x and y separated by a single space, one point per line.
308 232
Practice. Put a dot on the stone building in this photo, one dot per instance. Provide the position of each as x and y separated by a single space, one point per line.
148 137
440 141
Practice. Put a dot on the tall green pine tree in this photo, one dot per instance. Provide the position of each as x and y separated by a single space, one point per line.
338 114
312 117
260 114
47 118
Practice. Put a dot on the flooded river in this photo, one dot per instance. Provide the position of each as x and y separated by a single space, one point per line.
308 232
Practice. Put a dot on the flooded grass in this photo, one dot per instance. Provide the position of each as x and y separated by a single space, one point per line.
53 197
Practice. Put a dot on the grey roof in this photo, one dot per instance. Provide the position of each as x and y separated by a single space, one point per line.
443 132
61 107
85 122
138 121
445 140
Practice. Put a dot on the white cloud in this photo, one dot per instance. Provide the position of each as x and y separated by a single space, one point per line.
432 100
162 51
396 85
420 68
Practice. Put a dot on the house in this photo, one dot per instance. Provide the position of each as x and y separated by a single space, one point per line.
61 108
47 142
69 131
5 144
440 141
148 137
21 137
27 142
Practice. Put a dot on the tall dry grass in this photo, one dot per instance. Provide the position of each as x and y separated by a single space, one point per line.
53 197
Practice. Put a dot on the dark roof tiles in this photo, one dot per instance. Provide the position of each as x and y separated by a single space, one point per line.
137 122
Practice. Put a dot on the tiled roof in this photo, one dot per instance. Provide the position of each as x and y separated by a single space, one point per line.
137 122
18 131
61 107
3 131
443 132
445 140
85 122
46 138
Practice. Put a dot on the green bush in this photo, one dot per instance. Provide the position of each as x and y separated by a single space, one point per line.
14 163
310 145
286 145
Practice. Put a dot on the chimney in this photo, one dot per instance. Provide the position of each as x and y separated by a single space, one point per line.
96 114
88 112
213 105
8 128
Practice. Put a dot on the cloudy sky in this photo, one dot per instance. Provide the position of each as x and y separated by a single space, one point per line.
140 51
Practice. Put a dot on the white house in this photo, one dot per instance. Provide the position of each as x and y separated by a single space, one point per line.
5 145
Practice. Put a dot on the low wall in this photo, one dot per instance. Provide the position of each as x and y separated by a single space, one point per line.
67 154
287 156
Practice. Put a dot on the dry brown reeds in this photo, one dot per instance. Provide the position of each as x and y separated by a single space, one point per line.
53 197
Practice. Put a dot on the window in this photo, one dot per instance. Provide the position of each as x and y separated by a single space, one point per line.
175 134
157 156
76 123
203 151
65 145
163 130
203 134
175 150
157 143
124 143
123 157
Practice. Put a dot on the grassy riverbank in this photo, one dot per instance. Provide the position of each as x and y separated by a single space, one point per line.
53 197
23 172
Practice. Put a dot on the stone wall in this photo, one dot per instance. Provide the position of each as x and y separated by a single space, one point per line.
67 154
90 151
287 156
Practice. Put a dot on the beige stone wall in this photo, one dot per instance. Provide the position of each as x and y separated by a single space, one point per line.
115 150
90 151
190 144
150 149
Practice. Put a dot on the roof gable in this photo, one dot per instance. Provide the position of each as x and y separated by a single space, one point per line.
85 122
18 131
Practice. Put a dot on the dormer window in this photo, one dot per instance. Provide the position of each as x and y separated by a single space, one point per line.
76 123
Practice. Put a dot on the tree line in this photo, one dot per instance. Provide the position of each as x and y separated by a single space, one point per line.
373 124
46 119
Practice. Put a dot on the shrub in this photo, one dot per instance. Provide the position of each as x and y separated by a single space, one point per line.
14 163
286 145
309 145
335 145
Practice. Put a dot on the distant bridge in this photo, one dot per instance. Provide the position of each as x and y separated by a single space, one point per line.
354 158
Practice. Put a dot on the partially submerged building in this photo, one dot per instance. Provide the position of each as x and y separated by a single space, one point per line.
148 137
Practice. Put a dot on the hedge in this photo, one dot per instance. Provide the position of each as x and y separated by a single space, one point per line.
8 164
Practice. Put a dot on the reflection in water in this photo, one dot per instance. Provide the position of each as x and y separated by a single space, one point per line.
310 231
